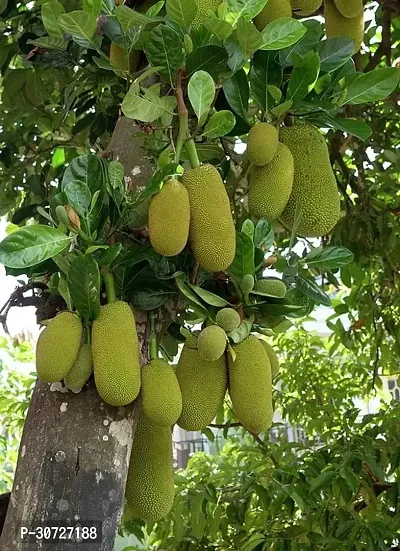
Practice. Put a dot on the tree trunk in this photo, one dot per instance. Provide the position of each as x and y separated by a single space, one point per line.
74 454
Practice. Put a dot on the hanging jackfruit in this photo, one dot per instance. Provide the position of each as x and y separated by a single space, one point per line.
228 319
262 143
338 25
273 358
350 8
115 352
81 369
211 343
161 395
274 9
271 286
304 8
204 7
58 346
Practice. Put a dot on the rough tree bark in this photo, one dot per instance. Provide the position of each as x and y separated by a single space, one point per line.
74 453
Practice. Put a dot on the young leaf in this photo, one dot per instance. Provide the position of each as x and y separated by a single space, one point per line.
164 47
248 228
78 23
243 262
265 71
304 76
51 11
84 286
220 124
201 92
181 11
372 86
237 92
281 33
263 234
242 332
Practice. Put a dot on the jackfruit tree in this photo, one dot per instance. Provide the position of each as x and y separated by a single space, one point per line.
151 235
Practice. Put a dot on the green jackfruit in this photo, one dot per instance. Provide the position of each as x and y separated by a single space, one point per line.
273 358
169 217
203 9
250 385
314 184
262 143
203 386
247 284
304 8
271 286
350 8
123 60
150 481
58 346
337 25
211 343
274 9
228 319
115 352
271 185
161 395
212 231
81 369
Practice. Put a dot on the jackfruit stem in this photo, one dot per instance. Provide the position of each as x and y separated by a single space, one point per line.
108 279
153 348
183 132
88 336
192 154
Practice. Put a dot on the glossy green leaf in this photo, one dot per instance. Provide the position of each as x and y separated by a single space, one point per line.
330 258
210 298
129 18
311 289
237 92
150 299
181 11
164 47
87 169
322 480
212 59
263 234
334 52
218 27
282 33
304 76
242 332
78 196
146 107
243 262
247 9
92 6
248 36
201 92
50 43
265 71
51 11
78 23
84 286
372 86
116 174
189 295
220 124
315 32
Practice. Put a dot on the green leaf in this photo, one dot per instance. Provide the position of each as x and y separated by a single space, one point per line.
201 92
84 286
51 11
247 9
147 107
243 262
79 23
78 196
154 10
330 258
92 6
150 299
334 52
155 183
189 295
265 71
58 157
237 93
182 12
109 255
3 5
322 480
242 332
282 33
164 47
304 76
248 36
129 18
210 298
314 33
32 245
50 43
353 127
218 27
263 234
248 228
220 124
372 86
87 169
212 59
311 289
281 109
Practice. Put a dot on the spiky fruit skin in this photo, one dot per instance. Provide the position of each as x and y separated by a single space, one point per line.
272 287
262 143
169 217
247 284
212 231
273 358
123 60
161 395
228 319
203 386
58 346
211 343
304 8
81 369
115 352
337 25
274 9
150 481
314 184
271 185
350 8
250 385
203 9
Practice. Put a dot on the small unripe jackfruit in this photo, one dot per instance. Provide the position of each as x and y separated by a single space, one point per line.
228 319
314 183
212 232
169 217
271 185
203 386
304 8
250 385
211 343
247 284
81 369
58 346
262 143
203 9
350 8
150 481
273 287
337 25
273 358
274 9
124 60
115 352
161 395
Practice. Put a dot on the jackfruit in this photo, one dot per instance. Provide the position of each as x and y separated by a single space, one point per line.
350 8
247 284
58 346
212 232
337 25
81 369
124 60
228 319
169 217
304 8
203 386
262 143
161 395
273 287
273 358
271 185
203 9
274 9
211 343
314 183
115 352
250 385
150 482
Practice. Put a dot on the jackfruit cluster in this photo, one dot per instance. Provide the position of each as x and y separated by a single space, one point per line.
160 393
150 482
123 60
273 358
203 385
115 352
350 8
250 385
81 370
315 191
58 346
304 8
212 232
270 185
211 343
262 143
337 24
272 286
169 218
273 9
203 9
228 319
